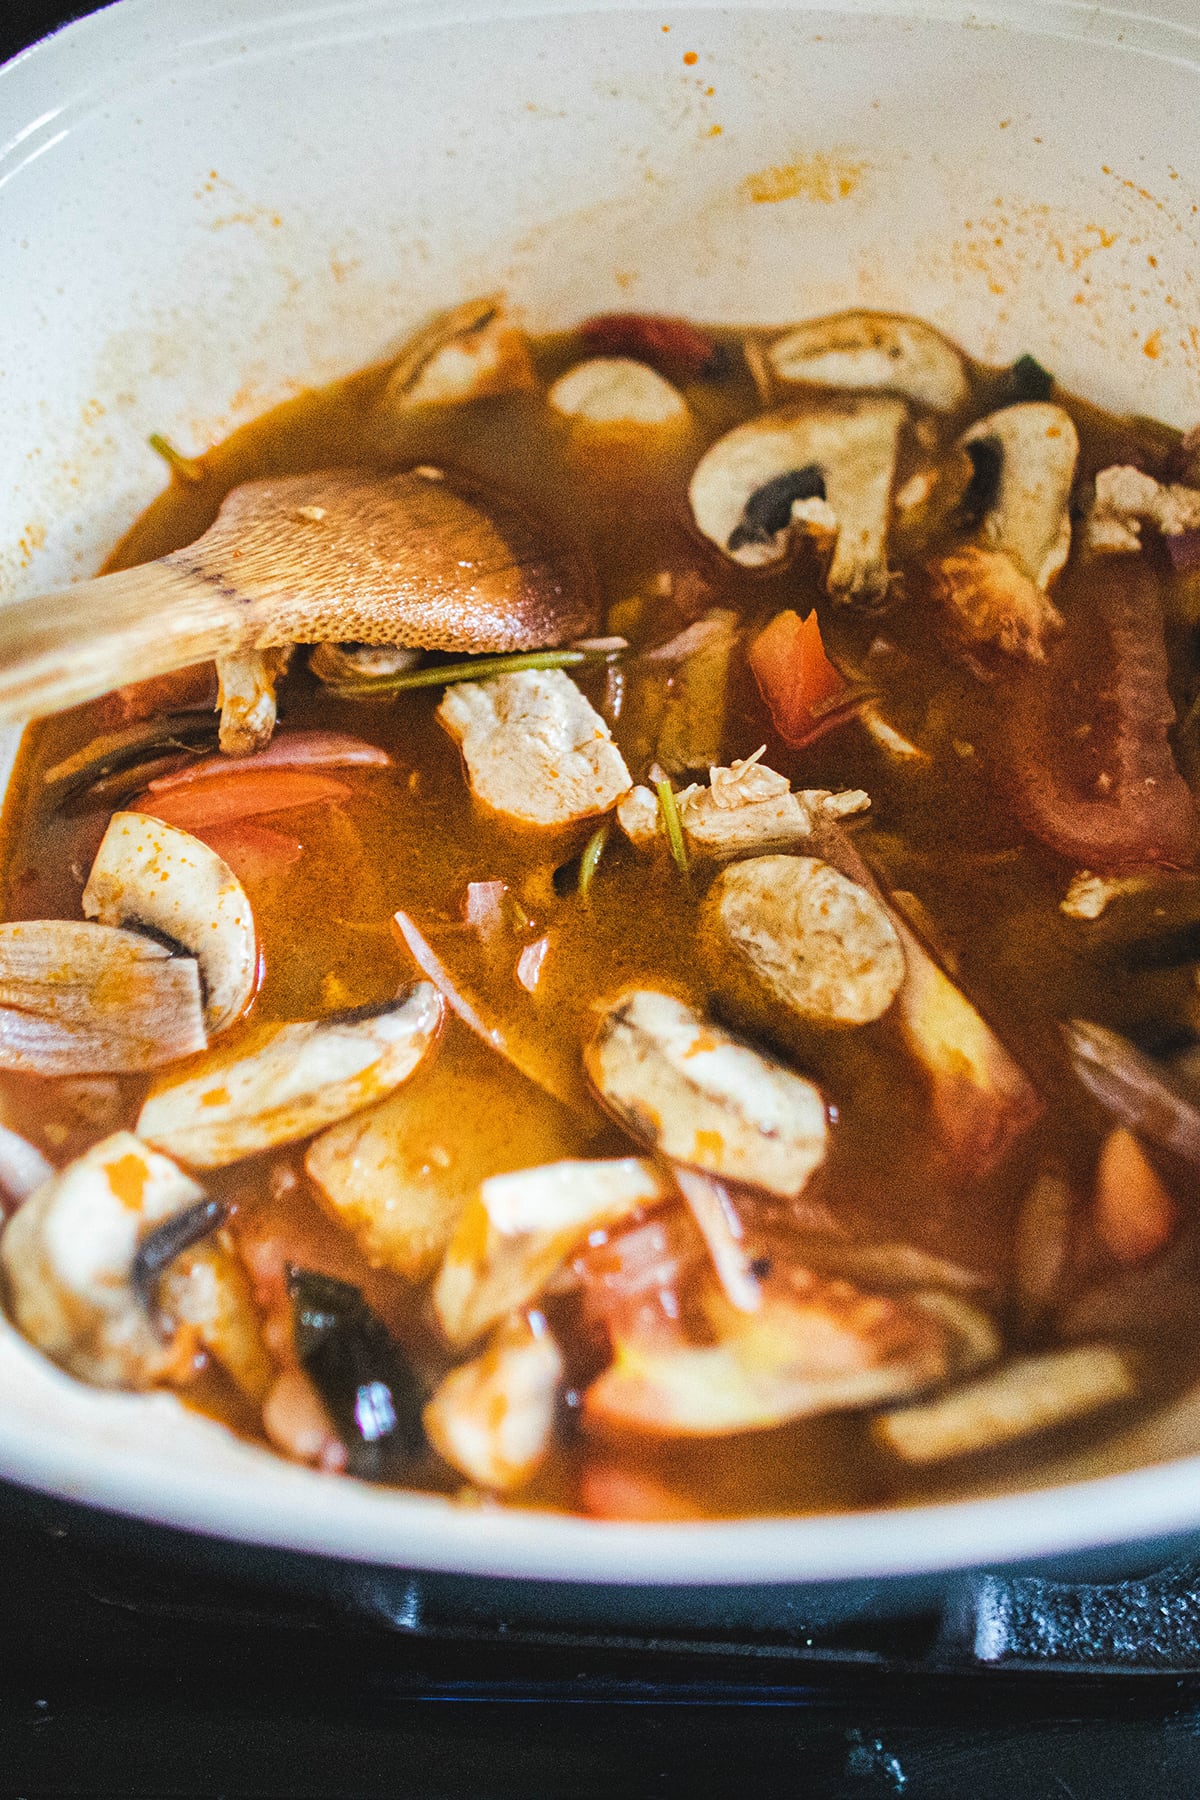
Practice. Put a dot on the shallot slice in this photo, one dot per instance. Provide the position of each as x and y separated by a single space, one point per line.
289 750
721 1228
1133 1089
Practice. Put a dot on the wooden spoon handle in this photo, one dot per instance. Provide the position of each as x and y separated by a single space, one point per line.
59 649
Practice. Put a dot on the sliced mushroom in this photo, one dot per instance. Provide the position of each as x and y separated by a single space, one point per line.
812 1346
283 1082
1015 1401
150 874
493 1419
344 666
463 354
82 999
617 393
793 932
535 749
701 1097
399 1176
208 1290
1027 455
68 1257
995 591
514 1235
827 469
246 698
868 350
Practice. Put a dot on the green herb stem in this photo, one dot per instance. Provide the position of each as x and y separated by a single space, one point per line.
673 823
479 668
589 862
188 468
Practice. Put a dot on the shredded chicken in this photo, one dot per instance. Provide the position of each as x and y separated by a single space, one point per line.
745 807
1126 499
1090 895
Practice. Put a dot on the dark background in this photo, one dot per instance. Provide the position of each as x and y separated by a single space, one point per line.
22 22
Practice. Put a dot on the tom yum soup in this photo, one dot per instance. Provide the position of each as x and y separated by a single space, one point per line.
740 1054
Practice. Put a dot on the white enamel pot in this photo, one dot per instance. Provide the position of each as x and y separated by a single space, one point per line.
207 204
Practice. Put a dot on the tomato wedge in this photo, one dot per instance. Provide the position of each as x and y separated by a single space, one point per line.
798 683
254 852
1083 746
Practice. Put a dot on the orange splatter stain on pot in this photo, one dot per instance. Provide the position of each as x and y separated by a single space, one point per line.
819 177
690 58
1153 346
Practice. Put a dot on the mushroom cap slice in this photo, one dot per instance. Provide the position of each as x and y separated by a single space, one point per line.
610 391
492 1419
82 999
701 1097
68 1254
812 1346
836 465
886 352
284 1082
466 353
513 1236
1029 519
149 873
806 937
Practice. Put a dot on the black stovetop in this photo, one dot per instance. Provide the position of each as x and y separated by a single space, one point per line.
129 1668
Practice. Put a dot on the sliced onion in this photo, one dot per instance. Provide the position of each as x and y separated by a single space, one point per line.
1133 1089
23 1168
721 1228
288 750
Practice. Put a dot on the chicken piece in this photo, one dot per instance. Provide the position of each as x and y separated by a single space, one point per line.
698 1096
1090 895
823 469
515 1234
149 873
617 393
68 1260
992 605
813 1346
493 1419
399 1176
535 750
868 350
83 999
464 354
246 698
746 807
283 1082
1015 1401
1126 499
793 932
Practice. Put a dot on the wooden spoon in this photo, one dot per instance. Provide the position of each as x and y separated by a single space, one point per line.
425 559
